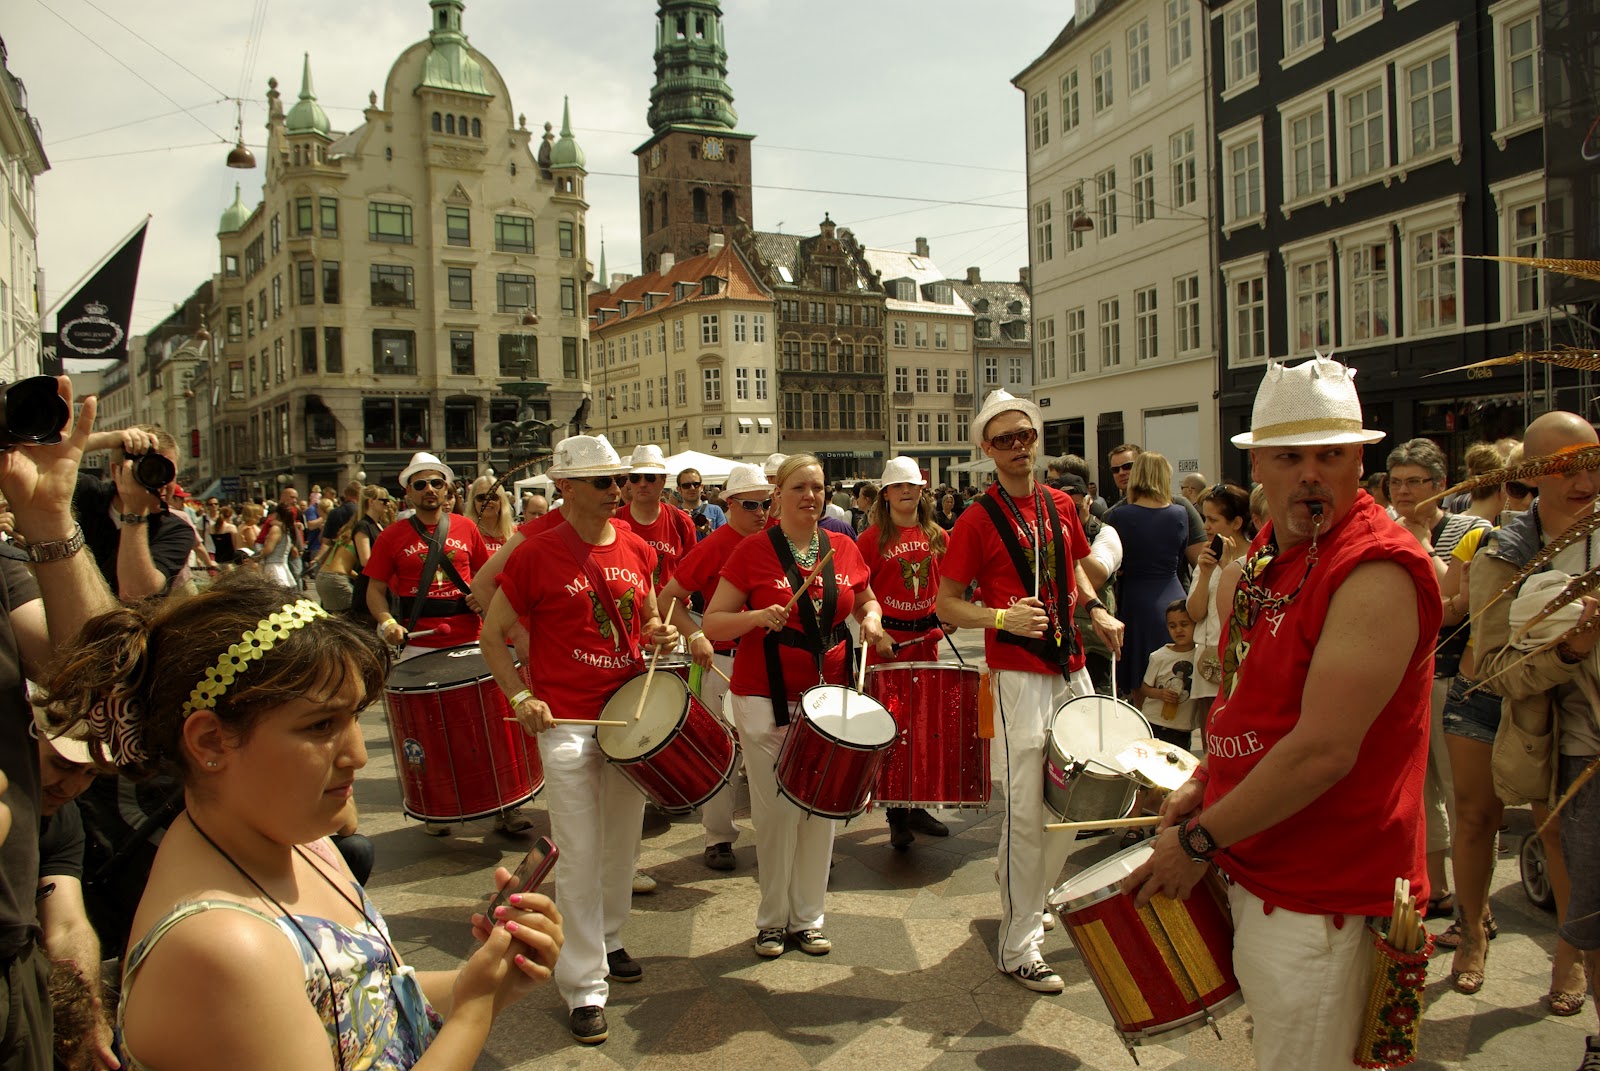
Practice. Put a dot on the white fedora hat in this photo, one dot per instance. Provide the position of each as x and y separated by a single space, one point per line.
746 479
1311 404
901 469
648 458
774 462
998 402
578 456
71 744
423 462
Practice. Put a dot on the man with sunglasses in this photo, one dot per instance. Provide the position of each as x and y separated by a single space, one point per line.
448 610
667 529
1035 656
707 516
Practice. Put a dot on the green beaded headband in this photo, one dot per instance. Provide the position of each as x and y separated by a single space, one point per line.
251 646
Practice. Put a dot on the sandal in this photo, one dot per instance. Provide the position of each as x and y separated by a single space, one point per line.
1440 906
1471 981
1453 934
1564 1003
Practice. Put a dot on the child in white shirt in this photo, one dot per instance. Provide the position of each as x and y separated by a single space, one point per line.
1164 695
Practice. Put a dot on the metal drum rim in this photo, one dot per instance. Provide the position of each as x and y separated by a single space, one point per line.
475 815
1186 1025
682 720
923 665
1101 893
438 686
848 745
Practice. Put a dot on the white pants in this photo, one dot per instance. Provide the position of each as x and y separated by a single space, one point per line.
716 814
1029 859
1438 786
595 818
793 848
1305 982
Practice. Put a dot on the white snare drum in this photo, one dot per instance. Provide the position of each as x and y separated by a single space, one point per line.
1084 781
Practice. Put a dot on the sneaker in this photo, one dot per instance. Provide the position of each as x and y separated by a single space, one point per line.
436 829
1038 977
921 821
812 942
621 967
720 856
770 942
900 837
512 821
643 883
1591 1055
588 1024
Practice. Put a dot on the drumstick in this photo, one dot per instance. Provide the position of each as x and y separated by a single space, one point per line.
1106 823
655 656
861 674
577 721
806 583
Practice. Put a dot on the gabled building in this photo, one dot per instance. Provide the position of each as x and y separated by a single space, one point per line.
22 160
393 277
1002 336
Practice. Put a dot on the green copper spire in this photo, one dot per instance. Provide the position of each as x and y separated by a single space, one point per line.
307 117
237 214
689 41
450 63
566 152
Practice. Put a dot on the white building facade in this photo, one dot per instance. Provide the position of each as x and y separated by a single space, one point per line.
22 160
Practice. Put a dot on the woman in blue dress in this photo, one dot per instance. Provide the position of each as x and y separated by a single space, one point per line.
1155 542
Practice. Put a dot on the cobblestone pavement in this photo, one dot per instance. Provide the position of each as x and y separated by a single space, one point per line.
910 983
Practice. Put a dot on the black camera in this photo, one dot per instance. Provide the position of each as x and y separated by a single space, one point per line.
35 413
153 471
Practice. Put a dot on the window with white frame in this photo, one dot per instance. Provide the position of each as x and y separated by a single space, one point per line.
1044 246
1244 178
961 381
1430 97
941 336
922 427
1184 189
1069 101
1311 311
1146 347
739 329
758 328
1144 186
1044 344
1073 208
902 378
1364 128
1110 333
1249 300
677 333
1433 274
1241 47
1077 338
919 335
761 384
711 379
902 427
741 384
1014 371
1307 138
1527 234
1367 292
1105 202
710 329
941 380
900 333
991 371
680 383
1100 72
944 427
1186 307
1516 46
1180 33
1041 118
922 381
1356 10
1302 25
1139 56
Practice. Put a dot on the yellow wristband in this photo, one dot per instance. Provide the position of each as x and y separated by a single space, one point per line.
697 635
1000 620
518 699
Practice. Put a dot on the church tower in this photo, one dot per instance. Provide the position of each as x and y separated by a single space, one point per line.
694 172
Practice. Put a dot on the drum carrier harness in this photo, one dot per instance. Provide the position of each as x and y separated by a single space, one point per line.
810 637
1053 649
415 607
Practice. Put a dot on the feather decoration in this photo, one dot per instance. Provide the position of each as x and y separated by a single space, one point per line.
1583 626
1578 269
505 477
1567 459
1574 589
1565 357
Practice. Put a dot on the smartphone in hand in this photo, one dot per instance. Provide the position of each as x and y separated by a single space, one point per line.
1216 547
534 868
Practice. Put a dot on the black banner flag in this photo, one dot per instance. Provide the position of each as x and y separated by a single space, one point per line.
95 321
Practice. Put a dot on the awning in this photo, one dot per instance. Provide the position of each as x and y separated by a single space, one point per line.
746 422
213 490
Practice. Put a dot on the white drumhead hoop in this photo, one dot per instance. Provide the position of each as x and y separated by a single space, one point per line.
848 716
1102 876
1095 728
662 709
954 667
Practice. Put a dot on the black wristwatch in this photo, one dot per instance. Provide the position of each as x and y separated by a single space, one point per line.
1197 841
130 519
1092 605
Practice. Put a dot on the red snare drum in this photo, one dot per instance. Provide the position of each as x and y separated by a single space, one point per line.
677 752
457 756
938 759
833 750
1163 969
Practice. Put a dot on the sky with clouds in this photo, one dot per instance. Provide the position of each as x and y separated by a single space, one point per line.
881 112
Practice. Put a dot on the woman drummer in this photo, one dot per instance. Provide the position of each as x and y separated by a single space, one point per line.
745 501
902 546
779 656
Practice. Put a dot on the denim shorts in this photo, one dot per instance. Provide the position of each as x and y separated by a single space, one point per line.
1475 716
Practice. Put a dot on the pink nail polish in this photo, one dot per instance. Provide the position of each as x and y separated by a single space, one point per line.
501 912
516 898
511 927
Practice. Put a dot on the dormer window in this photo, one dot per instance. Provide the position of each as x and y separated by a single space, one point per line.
983 328
939 293
680 291
1015 308
710 285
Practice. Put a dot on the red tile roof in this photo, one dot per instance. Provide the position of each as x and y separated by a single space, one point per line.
739 283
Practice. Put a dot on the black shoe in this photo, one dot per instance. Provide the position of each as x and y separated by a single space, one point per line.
720 856
921 821
1591 1055
621 967
655 821
588 1024
900 837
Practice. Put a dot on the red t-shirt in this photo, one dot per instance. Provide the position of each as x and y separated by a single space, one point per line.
542 523
1370 822
976 553
753 568
582 659
396 560
906 582
671 534
701 569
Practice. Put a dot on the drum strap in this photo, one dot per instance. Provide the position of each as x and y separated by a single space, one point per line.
1045 647
414 606
583 551
811 637
918 624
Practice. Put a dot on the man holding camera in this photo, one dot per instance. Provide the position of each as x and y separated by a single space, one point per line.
138 543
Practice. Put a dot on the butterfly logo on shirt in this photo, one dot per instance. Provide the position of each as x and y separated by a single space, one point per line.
603 620
1049 558
915 574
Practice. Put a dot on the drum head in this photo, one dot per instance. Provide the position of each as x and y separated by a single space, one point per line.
663 708
1102 876
438 669
847 716
1095 729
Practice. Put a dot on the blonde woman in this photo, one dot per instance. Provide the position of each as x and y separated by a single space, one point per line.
250 526
490 507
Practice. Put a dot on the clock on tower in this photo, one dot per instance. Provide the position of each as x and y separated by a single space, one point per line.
712 148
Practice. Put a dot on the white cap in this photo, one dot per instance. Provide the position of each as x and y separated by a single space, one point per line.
1311 404
423 462
648 459
578 456
774 462
998 402
71 744
901 469
743 479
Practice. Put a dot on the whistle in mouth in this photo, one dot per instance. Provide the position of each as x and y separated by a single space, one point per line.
1315 509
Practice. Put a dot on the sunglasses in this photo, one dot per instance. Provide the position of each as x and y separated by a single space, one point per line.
1128 467
752 505
1520 490
692 484
647 477
423 485
1008 440
481 499
605 483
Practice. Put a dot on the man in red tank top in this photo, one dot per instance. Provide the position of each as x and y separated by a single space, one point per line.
1310 799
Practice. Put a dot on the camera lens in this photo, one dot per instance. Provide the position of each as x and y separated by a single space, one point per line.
153 471
35 412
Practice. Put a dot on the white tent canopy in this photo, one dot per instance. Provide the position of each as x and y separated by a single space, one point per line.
712 469
539 485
